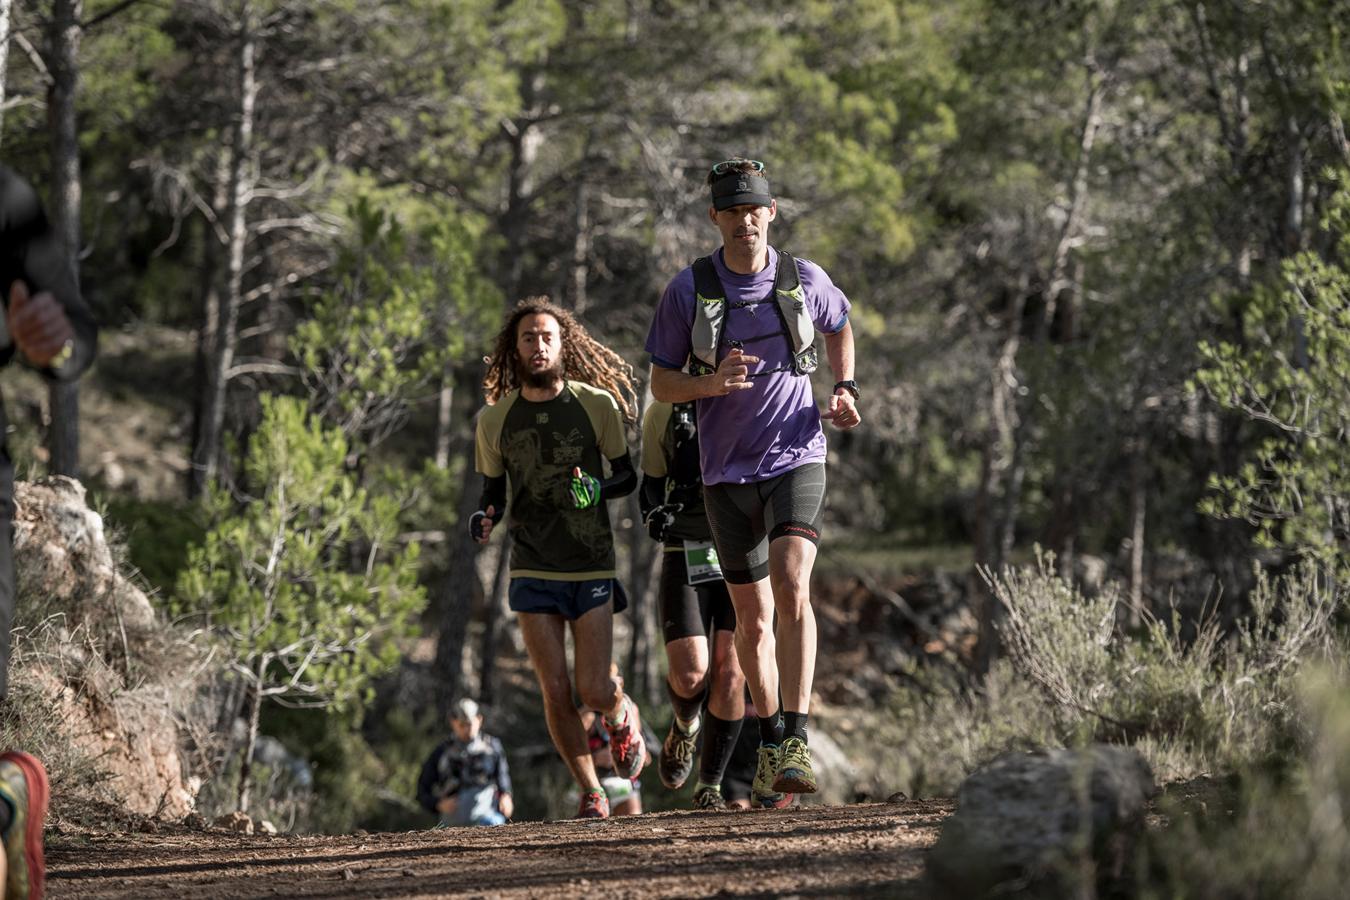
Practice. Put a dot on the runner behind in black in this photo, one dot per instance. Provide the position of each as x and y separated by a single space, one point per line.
697 617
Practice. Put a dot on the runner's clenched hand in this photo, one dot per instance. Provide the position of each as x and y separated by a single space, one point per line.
842 411
733 373
583 490
480 524
39 326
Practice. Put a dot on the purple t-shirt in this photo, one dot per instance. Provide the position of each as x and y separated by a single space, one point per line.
756 434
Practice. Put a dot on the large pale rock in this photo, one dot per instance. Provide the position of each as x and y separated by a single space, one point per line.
85 629
58 538
1055 823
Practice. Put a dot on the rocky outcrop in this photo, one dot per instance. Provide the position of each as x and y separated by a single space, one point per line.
1055 823
91 657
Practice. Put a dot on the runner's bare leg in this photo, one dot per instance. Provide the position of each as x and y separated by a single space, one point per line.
688 659
544 635
790 562
755 642
593 641
726 700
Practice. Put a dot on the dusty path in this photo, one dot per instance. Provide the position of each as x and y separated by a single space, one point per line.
872 850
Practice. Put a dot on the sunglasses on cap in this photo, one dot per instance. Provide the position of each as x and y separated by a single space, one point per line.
728 165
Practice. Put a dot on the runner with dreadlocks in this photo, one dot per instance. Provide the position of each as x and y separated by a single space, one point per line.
557 403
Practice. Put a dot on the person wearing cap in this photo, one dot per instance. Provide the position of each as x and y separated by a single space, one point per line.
736 333
466 780
48 326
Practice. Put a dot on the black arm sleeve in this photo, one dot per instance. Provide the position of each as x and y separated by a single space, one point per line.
652 494
494 495
426 781
503 770
622 481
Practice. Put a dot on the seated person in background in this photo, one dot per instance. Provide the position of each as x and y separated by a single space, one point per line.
466 780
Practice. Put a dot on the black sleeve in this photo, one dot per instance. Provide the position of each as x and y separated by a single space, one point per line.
503 770
494 495
652 494
622 481
426 781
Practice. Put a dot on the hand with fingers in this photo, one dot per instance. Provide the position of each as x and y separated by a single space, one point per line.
583 489
660 520
39 326
842 411
481 524
733 373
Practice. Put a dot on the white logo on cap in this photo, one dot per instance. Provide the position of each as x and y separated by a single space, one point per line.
742 185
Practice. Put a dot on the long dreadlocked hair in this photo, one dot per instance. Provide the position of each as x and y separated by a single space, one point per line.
583 358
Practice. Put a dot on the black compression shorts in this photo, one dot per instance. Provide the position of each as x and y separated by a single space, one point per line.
745 517
691 610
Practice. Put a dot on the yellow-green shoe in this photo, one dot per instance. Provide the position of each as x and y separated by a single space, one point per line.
762 792
794 771
23 785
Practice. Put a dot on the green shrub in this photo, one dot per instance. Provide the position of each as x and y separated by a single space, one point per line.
1192 699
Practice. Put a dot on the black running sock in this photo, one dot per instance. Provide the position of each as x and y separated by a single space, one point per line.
6 816
719 742
686 708
794 725
771 729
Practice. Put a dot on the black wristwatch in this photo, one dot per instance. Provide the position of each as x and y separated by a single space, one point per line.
851 386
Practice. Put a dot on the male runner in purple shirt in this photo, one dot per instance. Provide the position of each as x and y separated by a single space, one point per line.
735 333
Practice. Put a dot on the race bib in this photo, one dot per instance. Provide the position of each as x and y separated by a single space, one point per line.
700 562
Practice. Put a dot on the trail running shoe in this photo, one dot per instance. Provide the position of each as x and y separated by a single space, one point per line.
625 741
762 793
23 784
594 805
794 772
709 796
677 757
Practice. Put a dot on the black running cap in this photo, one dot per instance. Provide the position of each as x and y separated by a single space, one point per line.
739 189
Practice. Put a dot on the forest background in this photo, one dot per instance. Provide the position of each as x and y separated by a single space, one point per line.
1096 251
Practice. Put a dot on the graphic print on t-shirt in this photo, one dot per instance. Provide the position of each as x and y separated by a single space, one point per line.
537 445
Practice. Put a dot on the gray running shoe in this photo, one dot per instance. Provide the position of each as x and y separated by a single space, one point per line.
709 796
795 774
762 793
677 757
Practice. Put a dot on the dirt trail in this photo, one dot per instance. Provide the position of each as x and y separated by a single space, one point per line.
872 850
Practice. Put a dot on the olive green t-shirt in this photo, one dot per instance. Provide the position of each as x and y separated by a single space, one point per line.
536 445
658 457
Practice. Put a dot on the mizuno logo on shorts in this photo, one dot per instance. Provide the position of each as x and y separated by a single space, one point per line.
600 591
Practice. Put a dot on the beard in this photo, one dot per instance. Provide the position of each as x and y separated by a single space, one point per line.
542 378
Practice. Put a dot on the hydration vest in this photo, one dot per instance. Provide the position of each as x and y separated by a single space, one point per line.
789 302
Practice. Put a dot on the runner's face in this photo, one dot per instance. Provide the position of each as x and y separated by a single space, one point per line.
539 348
466 729
745 228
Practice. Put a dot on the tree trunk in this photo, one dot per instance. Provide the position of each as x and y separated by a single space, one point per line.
1138 511
495 622
5 8
206 460
63 440
455 601
445 405
525 140
208 279
581 246
252 714
643 662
